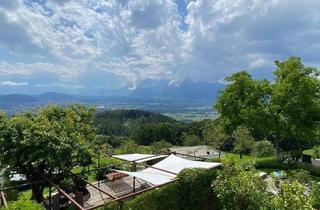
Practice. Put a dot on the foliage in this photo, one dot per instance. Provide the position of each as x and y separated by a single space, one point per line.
271 163
24 203
301 176
315 198
150 133
243 103
191 140
191 191
239 189
292 196
287 110
127 122
243 140
286 158
160 146
53 139
316 152
263 149
215 135
129 146
294 104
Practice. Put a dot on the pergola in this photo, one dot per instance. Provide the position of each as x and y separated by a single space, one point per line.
157 175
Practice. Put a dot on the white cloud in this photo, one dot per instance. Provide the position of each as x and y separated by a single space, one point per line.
72 41
12 83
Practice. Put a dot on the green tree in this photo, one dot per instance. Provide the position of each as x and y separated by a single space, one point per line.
191 140
214 135
243 102
238 189
243 140
160 146
294 105
49 141
292 196
128 146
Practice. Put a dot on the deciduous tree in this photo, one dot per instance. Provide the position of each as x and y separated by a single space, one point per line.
45 143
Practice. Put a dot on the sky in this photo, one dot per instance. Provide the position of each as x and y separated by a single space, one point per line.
82 46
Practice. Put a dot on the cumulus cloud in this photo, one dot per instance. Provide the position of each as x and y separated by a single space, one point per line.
94 44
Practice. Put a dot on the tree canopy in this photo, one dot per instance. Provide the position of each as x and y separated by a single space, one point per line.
287 109
52 140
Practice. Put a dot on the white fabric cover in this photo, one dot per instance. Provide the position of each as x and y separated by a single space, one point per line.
172 164
139 157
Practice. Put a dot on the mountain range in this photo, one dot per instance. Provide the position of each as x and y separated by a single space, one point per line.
149 90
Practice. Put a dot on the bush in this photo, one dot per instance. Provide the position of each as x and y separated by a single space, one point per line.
263 149
300 175
315 198
239 189
286 158
292 196
193 190
24 203
316 152
160 146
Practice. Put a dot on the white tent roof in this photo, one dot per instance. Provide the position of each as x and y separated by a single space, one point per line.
172 164
139 158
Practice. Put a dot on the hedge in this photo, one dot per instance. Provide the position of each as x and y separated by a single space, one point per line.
192 190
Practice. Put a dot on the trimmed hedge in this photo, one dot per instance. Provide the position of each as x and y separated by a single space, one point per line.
193 190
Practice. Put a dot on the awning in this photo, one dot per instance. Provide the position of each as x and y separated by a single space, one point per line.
139 158
173 165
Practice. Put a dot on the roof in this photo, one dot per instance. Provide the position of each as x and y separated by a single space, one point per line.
173 165
139 158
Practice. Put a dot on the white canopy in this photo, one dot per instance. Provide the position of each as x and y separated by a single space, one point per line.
139 158
171 164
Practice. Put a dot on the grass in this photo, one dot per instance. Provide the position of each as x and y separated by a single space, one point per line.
308 152
271 164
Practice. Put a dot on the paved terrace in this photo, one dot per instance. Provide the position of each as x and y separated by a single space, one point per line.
117 187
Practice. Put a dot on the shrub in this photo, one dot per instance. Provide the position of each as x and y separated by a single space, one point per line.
300 175
292 196
315 198
286 158
24 203
263 149
316 152
192 191
239 189
160 146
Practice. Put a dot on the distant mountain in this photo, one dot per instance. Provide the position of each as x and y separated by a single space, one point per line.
55 97
147 91
187 90
17 99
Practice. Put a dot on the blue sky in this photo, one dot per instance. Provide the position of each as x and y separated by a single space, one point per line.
82 46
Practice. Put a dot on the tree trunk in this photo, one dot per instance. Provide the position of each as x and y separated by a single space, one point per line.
240 154
219 154
37 192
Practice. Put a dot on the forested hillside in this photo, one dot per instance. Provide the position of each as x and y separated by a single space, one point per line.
147 127
126 122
